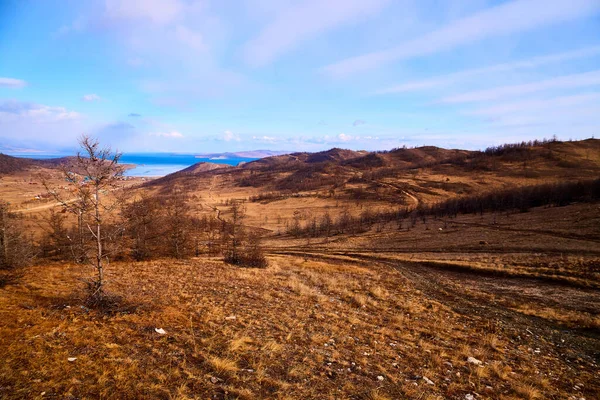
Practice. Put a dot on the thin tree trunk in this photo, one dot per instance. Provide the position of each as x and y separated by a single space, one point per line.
3 238
99 242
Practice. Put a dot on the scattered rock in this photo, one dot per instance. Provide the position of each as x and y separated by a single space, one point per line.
473 360
215 380
71 359
428 381
469 396
160 331
230 318
380 378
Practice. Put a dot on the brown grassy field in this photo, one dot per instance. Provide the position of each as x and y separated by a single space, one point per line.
302 328
391 312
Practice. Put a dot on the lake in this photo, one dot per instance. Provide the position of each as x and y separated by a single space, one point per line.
156 164
163 164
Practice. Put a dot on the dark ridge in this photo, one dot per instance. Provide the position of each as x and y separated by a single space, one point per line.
10 164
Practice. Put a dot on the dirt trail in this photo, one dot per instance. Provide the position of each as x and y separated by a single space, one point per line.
477 296
213 183
44 206
406 193
520 230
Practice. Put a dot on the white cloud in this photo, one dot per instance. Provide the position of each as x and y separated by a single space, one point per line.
345 138
13 109
160 12
505 19
172 134
265 139
229 136
303 21
12 83
510 66
90 97
563 82
178 43
39 126
358 122
535 105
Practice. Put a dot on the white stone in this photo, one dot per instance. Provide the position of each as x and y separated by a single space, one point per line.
428 381
473 360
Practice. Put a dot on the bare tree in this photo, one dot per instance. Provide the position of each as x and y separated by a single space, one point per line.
56 241
178 222
143 218
15 250
235 233
91 176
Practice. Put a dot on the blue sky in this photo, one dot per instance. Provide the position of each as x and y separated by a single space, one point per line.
205 76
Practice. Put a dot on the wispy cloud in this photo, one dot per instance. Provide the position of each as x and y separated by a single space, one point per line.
303 21
35 112
508 18
178 44
134 115
172 134
229 136
344 137
563 82
535 105
359 122
90 97
12 83
266 139
159 12
531 63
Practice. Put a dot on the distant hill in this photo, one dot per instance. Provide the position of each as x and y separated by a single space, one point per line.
243 154
190 172
456 171
201 167
10 164
294 160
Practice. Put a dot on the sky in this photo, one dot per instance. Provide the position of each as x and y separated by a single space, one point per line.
197 76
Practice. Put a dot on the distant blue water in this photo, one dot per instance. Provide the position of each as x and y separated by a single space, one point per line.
161 164
155 164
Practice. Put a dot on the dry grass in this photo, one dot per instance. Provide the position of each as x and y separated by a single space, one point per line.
299 329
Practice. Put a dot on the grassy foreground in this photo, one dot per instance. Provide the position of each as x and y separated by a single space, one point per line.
301 328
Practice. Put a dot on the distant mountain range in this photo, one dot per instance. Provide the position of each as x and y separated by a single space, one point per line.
243 154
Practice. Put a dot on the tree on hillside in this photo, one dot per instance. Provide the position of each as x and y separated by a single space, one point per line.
178 222
15 250
91 176
235 233
143 218
56 243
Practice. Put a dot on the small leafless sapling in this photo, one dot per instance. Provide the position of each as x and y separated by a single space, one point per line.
91 176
